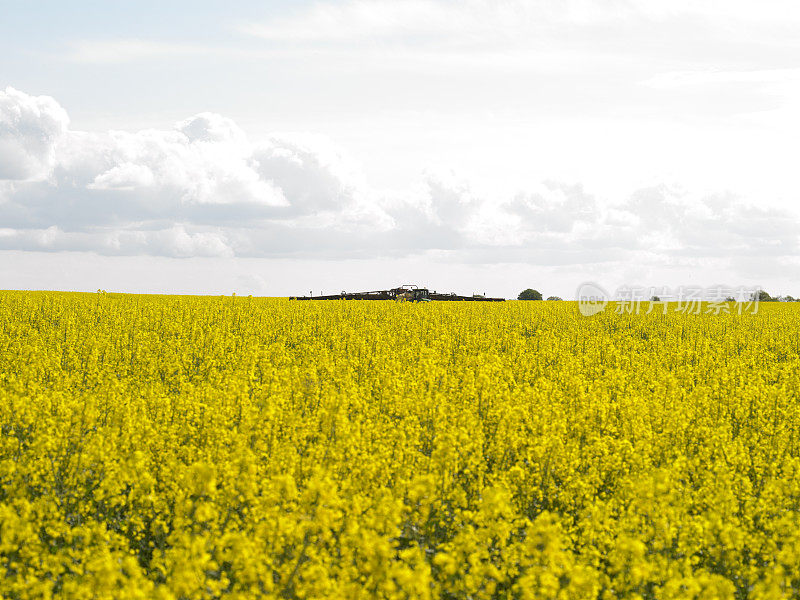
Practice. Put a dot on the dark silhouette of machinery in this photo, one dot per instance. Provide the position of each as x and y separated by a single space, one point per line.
410 293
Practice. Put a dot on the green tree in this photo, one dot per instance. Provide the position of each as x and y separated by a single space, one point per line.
763 296
553 298
529 294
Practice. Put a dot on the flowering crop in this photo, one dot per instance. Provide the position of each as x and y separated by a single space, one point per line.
199 447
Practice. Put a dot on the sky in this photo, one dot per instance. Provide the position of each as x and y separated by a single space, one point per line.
277 148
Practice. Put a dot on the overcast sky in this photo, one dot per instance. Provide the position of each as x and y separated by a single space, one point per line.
275 148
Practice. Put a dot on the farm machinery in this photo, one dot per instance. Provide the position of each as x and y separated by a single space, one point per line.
403 293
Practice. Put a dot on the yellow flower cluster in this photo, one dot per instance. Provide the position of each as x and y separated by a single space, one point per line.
198 447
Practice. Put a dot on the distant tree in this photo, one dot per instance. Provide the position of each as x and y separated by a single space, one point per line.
553 298
762 296
730 299
655 299
529 294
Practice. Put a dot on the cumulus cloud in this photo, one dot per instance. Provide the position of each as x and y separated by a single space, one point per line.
30 129
310 172
126 176
679 223
204 160
203 188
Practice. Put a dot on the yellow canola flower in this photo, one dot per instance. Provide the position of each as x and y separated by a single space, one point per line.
197 447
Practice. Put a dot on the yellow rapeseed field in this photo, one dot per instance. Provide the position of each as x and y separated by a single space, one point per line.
204 447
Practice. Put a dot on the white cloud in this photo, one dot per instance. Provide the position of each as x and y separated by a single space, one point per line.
202 189
125 176
204 160
308 170
30 129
